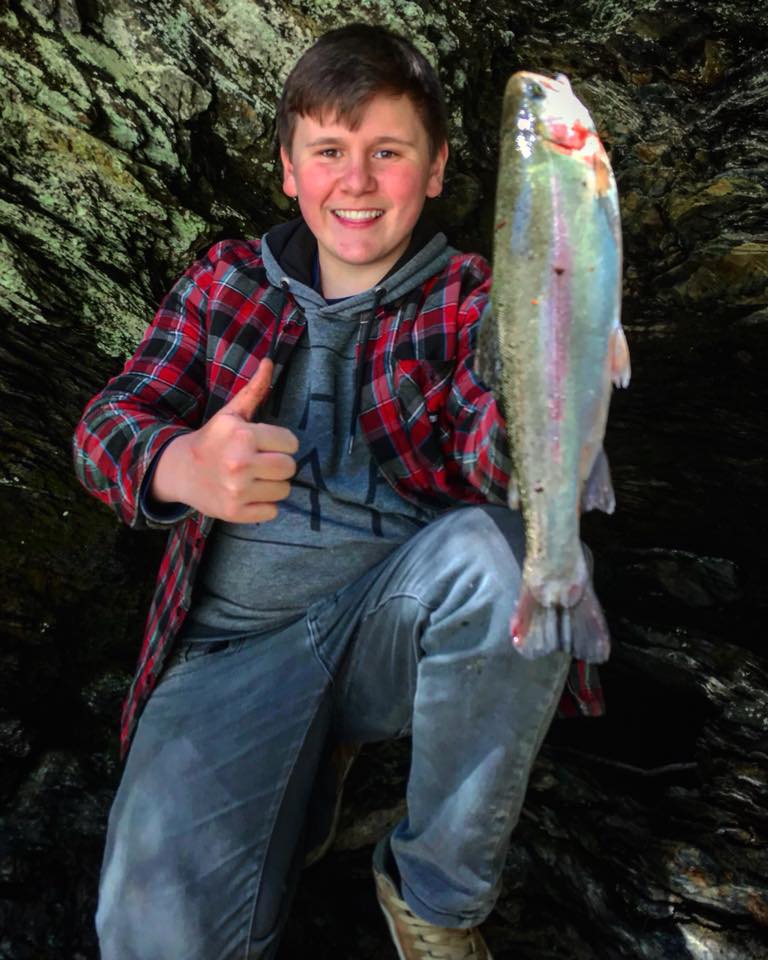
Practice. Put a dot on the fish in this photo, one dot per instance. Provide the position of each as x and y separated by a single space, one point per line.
551 347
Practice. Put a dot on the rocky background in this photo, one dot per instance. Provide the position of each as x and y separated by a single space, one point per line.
135 132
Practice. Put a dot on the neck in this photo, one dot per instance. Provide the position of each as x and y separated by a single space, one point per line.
345 280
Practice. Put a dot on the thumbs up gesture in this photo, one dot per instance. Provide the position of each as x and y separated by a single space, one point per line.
230 469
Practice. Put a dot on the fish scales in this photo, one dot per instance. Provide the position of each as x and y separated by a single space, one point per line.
552 346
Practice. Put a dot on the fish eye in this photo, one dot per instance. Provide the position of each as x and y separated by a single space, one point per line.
535 90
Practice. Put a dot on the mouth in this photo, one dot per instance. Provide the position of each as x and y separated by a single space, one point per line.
358 216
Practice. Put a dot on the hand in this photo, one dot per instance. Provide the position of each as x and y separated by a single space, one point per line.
231 469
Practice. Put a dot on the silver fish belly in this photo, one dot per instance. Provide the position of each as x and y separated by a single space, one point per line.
550 348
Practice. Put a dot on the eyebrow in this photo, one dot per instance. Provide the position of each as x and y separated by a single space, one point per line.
325 141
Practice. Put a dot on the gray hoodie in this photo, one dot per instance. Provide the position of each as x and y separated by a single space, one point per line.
342 517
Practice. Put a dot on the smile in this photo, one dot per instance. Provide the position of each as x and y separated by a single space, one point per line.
358 214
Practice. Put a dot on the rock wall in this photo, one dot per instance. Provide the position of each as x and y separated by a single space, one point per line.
134 133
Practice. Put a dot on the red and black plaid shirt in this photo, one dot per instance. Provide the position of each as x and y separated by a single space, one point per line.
433 428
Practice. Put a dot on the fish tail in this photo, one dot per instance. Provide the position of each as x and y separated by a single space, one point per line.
580 630
588 635
534 628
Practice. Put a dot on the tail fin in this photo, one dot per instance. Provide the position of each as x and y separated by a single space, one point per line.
580 630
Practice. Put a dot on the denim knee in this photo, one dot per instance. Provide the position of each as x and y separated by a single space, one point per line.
471 575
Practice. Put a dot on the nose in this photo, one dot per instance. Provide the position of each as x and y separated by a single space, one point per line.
357 176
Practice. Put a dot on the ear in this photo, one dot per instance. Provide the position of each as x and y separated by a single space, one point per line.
436 172
289 180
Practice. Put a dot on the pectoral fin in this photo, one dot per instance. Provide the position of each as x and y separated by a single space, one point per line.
619 351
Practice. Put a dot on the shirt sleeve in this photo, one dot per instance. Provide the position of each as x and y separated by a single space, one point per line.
159 395
478 431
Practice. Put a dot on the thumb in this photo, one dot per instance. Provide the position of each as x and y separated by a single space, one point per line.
246 401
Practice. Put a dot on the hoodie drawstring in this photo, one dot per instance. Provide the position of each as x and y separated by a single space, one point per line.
363 332
284 286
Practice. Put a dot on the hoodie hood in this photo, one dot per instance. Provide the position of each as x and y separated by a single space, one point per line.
288 253
289 250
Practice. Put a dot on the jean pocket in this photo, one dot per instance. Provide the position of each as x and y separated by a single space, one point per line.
191 656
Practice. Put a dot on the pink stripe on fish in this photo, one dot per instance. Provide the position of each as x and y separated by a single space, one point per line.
559 314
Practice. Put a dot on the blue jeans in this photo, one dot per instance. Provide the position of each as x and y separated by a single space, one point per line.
206 834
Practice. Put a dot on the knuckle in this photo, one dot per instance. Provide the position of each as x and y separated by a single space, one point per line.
260 432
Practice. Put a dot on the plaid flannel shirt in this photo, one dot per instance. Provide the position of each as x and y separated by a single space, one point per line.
433 428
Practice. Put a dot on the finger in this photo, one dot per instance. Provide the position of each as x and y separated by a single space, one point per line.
272 466
255 513
270 438
247 400
268 491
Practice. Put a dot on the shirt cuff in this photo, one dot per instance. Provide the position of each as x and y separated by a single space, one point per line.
157 513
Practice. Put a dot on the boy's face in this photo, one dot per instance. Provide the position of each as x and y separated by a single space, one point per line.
362 191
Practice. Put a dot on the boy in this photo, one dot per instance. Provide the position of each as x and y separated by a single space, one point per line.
326 369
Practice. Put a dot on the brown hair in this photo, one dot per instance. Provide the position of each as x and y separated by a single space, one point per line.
345 68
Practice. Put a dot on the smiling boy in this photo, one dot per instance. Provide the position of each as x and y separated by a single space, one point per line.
362 190
303 415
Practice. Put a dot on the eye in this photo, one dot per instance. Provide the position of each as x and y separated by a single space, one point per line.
385 154
329 152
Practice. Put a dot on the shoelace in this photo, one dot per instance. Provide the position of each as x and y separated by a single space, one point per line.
437 943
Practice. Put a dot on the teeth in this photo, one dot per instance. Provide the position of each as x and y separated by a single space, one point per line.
358 214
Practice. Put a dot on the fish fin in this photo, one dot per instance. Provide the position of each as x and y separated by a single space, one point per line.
587 631
621 370
513 493
534 628
603 177
520 624
598 490
580 630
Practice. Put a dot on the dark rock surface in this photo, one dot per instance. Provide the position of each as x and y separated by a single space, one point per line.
135 132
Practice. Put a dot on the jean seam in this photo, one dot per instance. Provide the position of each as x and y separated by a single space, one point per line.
418 653
397 596
314 643
456 920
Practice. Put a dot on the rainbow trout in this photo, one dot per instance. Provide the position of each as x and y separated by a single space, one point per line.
551 346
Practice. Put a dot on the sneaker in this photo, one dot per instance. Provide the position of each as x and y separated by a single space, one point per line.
414 938
341 760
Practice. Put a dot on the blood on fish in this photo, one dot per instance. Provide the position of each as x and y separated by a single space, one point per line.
521 621
571 136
